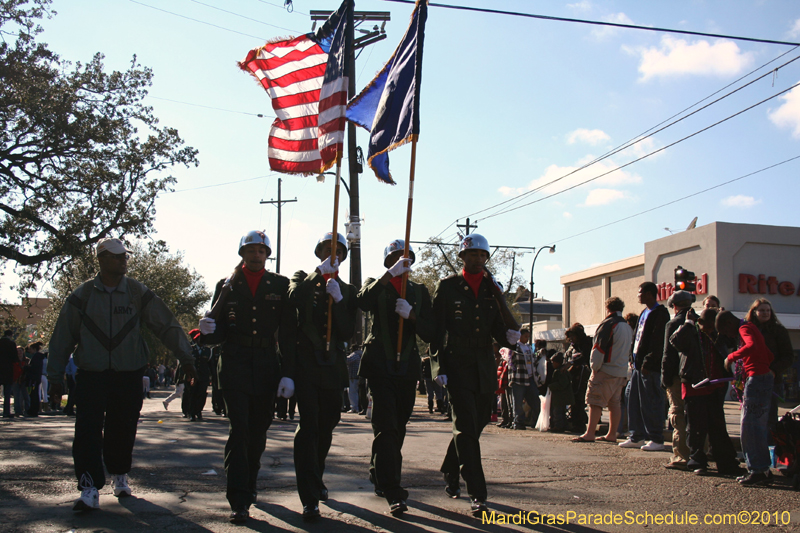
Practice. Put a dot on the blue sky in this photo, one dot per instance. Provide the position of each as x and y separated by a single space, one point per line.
508 104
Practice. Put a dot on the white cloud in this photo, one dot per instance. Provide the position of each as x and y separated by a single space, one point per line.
583 5
740 200
676 57
593 137
604 32
604 196
795 31
788 114
552 268
567 214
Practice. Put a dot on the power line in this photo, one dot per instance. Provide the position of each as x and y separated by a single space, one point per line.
678 200
627 145
644 156
222 184
197 20
631 141
244 17
599 23
259 115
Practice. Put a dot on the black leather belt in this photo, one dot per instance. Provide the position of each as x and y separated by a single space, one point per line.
251 342
469 342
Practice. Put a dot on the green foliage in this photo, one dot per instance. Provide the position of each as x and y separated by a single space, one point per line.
81 158
181 288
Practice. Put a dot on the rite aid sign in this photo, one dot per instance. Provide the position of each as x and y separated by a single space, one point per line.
763 284
665 290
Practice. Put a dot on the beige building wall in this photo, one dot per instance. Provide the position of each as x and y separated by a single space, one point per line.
585 292
626 287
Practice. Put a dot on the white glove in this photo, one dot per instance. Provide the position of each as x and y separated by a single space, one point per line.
332 288
512 337
327 268
207 326
286 388
441 380
402 308
400 267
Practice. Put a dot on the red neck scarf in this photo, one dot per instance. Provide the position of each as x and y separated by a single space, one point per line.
473 280
253 278
396 281
329 276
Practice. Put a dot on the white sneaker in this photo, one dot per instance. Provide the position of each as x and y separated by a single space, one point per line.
89 500
630 443
653 447
121 488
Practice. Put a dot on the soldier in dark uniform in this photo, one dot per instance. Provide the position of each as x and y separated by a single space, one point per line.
321 366
217 403
251 369
198 391
391 380
467 318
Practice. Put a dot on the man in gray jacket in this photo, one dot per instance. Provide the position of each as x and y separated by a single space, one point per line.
100 322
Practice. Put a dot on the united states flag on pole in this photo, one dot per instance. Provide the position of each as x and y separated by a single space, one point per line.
305 78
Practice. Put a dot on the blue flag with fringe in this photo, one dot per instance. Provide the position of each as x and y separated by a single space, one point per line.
389 105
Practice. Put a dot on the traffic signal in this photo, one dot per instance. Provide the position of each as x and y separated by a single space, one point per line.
685 280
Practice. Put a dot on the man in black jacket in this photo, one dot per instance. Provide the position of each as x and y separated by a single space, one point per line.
681 301
645 396
701 361
8 356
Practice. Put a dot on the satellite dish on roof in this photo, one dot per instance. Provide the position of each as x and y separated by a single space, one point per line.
692 224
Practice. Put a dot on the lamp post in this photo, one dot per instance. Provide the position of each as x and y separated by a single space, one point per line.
530 311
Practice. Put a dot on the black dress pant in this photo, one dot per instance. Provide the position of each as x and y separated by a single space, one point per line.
392 404
107 405
249 415
705 416
471 412
320 412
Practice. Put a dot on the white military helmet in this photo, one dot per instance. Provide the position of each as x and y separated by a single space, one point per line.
255 237
327 238
474 242
394 246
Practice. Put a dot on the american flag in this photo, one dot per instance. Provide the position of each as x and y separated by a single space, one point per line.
304 77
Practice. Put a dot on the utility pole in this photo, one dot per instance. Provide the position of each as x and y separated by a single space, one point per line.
467 226
279 203
354 224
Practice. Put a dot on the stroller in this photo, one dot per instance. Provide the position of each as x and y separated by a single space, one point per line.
787 446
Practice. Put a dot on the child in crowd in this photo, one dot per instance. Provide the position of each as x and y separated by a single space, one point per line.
560 394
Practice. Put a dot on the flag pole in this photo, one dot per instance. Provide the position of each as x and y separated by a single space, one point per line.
334 249
406 242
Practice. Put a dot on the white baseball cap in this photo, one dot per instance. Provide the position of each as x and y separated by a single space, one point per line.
114 246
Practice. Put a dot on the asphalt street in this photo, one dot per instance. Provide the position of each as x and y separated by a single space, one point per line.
178 483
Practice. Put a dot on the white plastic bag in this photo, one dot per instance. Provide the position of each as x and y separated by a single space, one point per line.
543 424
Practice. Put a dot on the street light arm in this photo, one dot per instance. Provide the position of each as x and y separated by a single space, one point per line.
530 300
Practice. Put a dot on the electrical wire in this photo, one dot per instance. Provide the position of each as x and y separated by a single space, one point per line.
598 23
221 184
677 200
644 156
245 17
649 133
197 20
259 115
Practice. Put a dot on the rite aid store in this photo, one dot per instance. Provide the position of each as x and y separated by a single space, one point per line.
735 262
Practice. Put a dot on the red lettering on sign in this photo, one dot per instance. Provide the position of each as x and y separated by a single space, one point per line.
786 288
750 284
747 284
